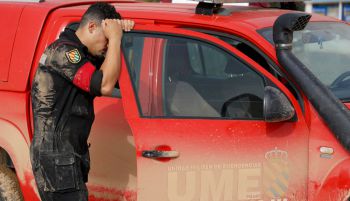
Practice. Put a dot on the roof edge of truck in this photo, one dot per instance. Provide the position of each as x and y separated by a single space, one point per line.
63 3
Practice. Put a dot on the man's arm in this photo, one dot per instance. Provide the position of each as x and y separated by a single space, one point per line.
111 66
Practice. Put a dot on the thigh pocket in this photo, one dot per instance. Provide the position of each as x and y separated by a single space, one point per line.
59 171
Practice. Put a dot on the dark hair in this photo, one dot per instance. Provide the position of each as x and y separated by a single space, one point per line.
98 12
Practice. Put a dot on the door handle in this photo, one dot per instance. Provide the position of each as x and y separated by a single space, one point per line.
160 154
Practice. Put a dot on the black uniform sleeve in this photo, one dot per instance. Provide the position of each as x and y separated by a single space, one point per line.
95 84
69 62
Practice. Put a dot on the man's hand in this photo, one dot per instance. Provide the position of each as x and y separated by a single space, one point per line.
112 29
127 25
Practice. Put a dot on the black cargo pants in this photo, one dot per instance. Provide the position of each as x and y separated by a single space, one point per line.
60 176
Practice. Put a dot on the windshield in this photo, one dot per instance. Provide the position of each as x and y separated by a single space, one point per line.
324 48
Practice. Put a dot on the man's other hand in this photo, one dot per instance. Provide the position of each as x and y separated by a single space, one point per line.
127 25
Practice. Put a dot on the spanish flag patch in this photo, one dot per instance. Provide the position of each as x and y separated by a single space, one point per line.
73 56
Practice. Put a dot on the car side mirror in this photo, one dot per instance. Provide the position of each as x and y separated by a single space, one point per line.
277 107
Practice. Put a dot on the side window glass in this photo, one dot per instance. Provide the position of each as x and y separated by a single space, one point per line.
214 62
192 79
132 49
196 58
250 52
262 61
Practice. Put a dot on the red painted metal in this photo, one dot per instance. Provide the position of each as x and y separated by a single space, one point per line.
7 39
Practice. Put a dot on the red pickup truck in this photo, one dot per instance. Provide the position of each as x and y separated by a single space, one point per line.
217 103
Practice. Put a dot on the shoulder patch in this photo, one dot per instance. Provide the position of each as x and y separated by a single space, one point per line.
73 56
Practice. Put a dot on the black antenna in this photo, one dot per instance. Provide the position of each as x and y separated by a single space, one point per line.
206 8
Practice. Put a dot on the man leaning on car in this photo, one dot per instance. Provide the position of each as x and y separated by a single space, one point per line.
73 70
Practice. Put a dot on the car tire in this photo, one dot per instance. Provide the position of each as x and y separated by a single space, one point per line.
9 187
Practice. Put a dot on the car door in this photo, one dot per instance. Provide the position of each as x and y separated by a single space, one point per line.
196 113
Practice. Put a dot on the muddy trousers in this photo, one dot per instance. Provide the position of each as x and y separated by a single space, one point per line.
76 195
72 196
60 176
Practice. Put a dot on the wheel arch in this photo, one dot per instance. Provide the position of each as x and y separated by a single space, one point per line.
336 184
14 145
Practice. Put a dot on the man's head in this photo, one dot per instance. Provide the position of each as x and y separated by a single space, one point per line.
90 30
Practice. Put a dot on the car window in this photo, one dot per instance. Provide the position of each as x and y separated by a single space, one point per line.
191 78
257 55
133 54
